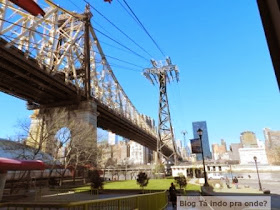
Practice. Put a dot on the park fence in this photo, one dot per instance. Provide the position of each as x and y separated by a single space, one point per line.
152 201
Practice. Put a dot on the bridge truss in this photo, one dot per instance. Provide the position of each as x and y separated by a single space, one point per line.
65 46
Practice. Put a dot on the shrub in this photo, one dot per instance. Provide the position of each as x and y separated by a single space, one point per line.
181 181
95 180
142 179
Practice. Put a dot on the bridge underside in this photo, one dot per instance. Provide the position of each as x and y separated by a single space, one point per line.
113 122
22 77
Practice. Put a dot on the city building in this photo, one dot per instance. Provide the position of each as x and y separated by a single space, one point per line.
272 145
272 138
139 154
219 150
112 138
233 152
205 141
179 146
196 170
184 154
247 156
188 151
248 139
120 152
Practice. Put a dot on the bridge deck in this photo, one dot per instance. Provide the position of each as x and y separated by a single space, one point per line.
22 77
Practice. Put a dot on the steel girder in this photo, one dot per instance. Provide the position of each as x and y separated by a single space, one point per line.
57 43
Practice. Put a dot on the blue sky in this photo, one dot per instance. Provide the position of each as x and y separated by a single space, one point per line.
226 74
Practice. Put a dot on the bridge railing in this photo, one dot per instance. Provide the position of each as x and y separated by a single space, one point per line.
152 201
57 42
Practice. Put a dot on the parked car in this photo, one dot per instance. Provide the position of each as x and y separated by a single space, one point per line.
215 176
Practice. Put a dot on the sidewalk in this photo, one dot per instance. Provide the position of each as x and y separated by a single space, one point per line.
241 189
47 196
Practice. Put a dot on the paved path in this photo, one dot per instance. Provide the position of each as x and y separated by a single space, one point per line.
48 196
253 189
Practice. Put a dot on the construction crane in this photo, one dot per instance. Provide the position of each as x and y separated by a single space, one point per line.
163 72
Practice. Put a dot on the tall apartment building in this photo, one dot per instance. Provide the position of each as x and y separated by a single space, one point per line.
138 154
248 139
205 141
219 150
112 138
179 146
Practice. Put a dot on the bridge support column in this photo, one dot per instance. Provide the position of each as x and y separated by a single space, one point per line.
86 112
80 119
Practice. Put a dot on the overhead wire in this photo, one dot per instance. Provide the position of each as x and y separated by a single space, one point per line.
128 12
95 29
124 50
109 33
123 61
37 48
75 5
123 67
59 39
121 45
143 27
118 28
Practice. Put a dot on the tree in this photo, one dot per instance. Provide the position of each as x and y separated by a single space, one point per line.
69 142
124 165
104 157
158 170
181 181
142 180
95 179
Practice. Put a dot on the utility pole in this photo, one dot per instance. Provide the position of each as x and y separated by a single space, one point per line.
163 73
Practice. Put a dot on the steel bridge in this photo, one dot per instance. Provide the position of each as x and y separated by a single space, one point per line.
57 60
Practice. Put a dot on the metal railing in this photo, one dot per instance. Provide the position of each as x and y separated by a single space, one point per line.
153 201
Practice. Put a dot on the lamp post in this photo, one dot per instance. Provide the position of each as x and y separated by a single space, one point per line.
199 132
255 159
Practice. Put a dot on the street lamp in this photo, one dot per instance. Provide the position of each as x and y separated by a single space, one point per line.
199 132
255 159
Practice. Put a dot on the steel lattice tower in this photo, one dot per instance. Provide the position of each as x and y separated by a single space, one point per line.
163 73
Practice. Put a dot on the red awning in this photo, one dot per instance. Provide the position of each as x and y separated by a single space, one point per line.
7 164
30 6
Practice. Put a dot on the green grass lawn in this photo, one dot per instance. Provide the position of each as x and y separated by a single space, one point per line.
154 184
